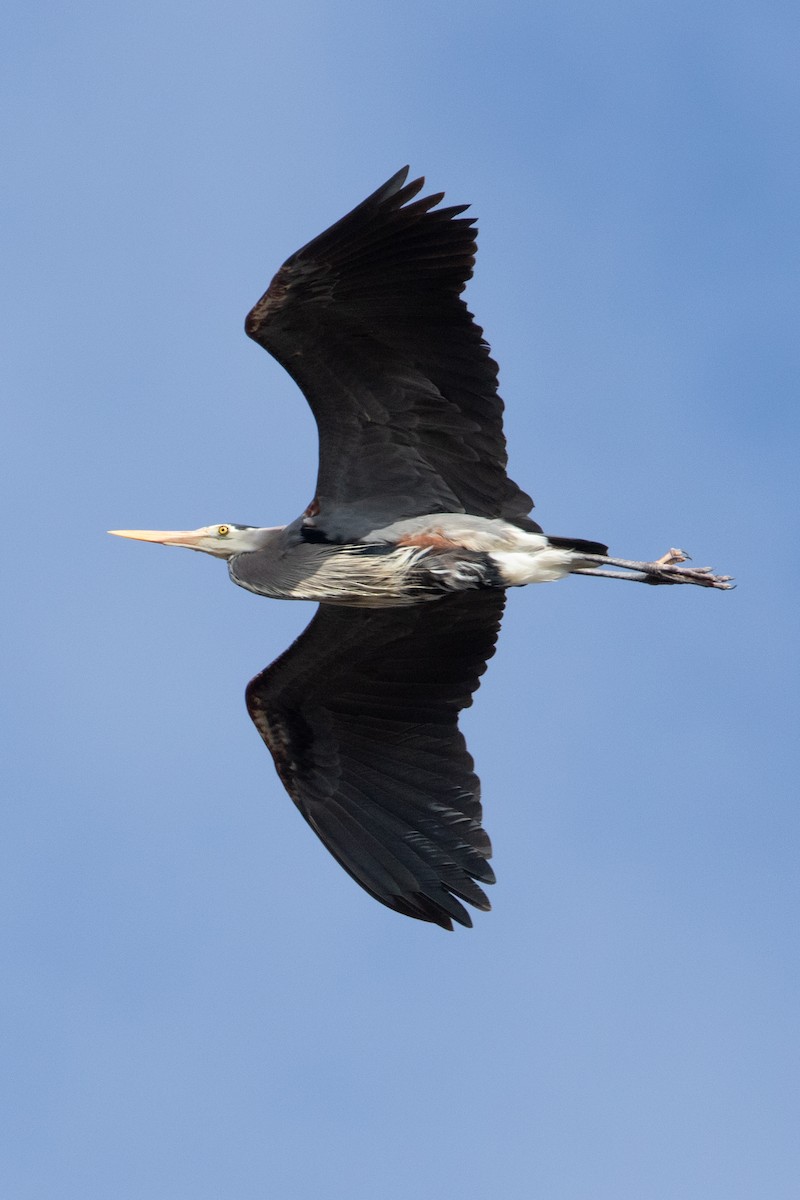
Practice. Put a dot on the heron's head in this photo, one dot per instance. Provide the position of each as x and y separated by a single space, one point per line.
224 541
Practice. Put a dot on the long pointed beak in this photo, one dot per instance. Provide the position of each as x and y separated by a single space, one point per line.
166 537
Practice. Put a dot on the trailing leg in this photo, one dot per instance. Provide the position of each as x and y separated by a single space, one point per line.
666 569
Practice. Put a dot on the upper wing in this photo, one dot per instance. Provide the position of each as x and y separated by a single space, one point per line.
361 717
368 319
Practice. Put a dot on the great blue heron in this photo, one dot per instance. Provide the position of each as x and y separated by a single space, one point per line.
413 535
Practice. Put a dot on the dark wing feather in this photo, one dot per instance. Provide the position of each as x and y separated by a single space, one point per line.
361 717
368 320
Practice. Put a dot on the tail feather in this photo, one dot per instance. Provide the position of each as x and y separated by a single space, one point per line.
579 544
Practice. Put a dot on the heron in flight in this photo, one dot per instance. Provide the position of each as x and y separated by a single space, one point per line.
413 536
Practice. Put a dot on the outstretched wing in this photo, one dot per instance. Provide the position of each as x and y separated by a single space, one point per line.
361 717
368 320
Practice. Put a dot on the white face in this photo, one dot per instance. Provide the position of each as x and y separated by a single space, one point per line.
221 540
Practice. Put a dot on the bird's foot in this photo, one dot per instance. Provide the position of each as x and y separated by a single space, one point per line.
666 569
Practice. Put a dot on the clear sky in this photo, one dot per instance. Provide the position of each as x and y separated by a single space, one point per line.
197 1002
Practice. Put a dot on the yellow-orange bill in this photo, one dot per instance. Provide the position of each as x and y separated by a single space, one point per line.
167 537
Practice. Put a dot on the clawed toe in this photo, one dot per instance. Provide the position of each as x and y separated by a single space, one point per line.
672 557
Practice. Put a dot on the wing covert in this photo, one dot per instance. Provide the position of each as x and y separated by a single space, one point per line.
361 717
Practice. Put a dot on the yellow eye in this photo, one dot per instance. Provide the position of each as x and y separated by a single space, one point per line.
223 530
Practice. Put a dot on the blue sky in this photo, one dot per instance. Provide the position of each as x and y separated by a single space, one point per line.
197 1001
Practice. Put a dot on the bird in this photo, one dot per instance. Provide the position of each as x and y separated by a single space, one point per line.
413 537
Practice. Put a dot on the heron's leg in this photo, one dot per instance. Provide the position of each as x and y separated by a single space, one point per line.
666 569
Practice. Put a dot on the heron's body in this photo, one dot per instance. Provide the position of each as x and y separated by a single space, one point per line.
407 562
409 545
